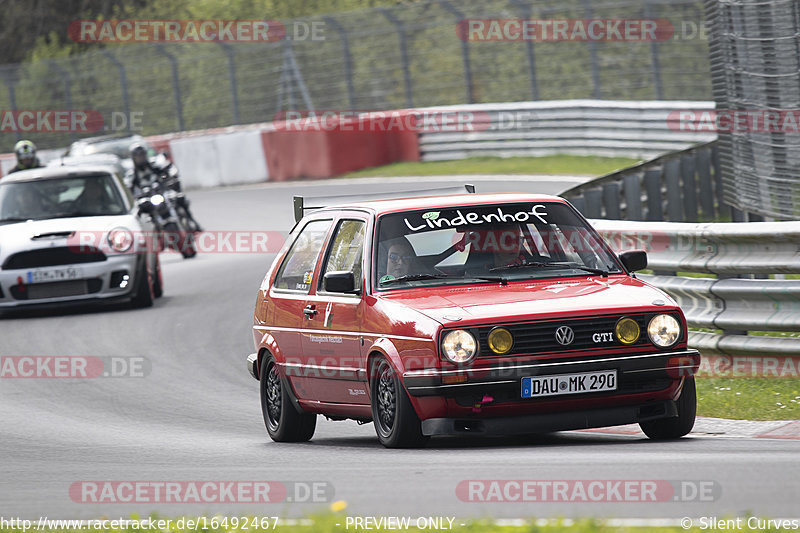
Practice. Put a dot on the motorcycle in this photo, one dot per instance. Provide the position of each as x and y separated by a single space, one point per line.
173 230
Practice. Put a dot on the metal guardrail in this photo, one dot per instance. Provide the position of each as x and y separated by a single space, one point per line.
643 129
732 301
680 186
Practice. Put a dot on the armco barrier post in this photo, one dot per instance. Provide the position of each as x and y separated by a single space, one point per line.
228 49
64 73
594 201
347 59
632 189
464 51
176 87
123 83
648 14
611 197
689 188
672 180
592 44
703 165
525 14
11 77
401 36
652 185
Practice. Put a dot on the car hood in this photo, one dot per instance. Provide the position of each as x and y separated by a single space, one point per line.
36 234
533 299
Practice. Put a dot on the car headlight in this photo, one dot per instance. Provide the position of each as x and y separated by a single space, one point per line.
627 331
664 330
120 239
459 346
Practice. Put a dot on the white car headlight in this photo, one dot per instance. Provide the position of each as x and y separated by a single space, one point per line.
664 330
120 239
459 346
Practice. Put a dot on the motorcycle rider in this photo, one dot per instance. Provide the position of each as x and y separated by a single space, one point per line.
146 170
26 156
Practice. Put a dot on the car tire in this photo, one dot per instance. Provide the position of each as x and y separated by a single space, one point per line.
396 422
144 296
675 427
158 283
284 423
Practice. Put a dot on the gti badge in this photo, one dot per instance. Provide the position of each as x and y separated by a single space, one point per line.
565 335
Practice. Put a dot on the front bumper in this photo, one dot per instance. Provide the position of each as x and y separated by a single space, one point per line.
636 373
252 365
98 273
546 422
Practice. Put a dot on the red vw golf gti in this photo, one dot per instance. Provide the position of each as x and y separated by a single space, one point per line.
465 315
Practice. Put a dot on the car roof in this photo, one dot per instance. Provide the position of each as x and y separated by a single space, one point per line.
46 173
393 205
106 138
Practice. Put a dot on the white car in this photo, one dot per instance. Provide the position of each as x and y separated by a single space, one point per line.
74 234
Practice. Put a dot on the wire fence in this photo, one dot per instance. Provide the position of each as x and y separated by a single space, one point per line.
755 56
405 56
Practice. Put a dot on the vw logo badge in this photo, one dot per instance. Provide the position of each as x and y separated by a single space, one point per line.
565 335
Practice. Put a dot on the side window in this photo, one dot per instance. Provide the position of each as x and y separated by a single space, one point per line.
297 269
347 248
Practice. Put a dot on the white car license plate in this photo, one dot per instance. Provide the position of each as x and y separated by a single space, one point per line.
54 274
535 387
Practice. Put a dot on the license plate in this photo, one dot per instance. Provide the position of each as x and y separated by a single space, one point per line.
55 274
536 387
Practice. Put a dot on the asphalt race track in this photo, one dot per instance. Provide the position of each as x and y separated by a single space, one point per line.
196 415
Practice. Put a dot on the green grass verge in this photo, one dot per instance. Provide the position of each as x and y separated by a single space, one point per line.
554 164
749 398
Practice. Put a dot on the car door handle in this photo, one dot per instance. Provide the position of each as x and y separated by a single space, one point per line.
310 311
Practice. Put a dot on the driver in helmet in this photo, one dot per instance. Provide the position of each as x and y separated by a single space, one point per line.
26 156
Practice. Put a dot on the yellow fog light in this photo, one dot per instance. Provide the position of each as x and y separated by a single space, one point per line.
500 340
627 331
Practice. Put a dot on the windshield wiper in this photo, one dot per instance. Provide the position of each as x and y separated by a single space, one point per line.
536 264
421 277
413 277
499 279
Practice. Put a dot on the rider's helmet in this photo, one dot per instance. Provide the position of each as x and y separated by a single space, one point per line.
26 154
139 156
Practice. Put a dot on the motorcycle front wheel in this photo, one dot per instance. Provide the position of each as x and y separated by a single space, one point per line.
180 240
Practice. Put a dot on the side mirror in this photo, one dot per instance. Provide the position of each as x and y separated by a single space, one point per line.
343 281
634 260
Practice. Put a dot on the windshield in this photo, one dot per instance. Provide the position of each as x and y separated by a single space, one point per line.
90 195
119 147
494 243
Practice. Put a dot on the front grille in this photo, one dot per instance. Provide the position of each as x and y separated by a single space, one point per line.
56 289
56 256
540 337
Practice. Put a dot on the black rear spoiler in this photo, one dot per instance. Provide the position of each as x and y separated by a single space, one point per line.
319 202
